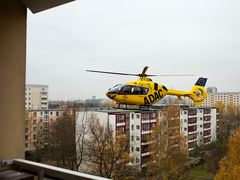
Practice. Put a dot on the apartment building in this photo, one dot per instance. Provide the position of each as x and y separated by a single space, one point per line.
36 97
197 125
224 97
137 124
37 124
200 125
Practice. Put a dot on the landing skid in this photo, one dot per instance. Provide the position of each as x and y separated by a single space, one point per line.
131 107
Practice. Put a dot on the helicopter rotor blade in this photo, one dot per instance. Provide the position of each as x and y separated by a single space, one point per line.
109 72
169 75
140 75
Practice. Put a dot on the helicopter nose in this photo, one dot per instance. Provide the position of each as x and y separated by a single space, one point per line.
111 96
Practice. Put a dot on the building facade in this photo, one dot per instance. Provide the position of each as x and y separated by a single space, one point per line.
224 97
197 125
37 124
36 97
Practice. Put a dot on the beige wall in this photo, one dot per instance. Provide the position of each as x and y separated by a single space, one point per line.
12 78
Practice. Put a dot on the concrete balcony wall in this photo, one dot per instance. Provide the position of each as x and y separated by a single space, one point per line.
12 78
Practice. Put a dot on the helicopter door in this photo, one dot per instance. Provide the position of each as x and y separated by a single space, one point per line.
155 86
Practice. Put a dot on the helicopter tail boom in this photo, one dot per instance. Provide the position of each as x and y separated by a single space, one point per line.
197 93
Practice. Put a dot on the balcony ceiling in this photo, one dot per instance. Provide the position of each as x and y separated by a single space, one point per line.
40 5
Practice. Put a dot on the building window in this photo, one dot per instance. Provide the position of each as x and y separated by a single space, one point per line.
132 127
137 127
137 116
137 148
132 149
137 160
137 138
132 138
132 116
185 129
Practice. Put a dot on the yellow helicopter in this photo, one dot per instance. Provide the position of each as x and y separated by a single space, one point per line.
145 92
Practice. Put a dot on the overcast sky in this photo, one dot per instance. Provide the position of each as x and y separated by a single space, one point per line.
171 37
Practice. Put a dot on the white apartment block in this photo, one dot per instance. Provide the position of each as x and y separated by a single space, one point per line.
137 124
36 97
224 97
198 125
37 124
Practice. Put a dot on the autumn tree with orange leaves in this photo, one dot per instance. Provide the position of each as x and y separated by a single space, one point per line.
230 164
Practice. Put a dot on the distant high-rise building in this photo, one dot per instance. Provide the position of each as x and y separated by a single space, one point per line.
36 97
224 97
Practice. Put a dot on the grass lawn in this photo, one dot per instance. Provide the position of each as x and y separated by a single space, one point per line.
197 173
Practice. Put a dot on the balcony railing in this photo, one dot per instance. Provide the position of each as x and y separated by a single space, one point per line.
43 171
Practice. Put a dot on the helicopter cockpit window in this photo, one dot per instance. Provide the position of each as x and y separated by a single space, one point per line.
115 89
133 90
126 90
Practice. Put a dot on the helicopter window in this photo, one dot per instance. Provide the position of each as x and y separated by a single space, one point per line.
136 90
115 89
126 90
144 90
133 90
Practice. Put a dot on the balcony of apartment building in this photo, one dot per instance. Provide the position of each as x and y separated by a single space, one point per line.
145 160
12 94
207 125
145 149
192 112
207 140
207 133
192 129
44 105
192 138
44 94
192 145
146 128
206 111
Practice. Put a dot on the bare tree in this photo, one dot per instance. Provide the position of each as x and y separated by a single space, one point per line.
108 152
65 136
